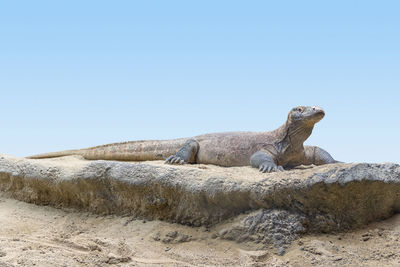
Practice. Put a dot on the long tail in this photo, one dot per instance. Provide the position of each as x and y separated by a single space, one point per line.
126 151
57 154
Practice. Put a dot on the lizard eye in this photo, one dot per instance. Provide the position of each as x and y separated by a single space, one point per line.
299 110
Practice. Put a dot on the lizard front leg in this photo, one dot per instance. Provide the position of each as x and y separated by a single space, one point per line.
264 162
186 154
317 156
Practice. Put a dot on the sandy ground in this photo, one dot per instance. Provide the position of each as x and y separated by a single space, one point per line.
33 235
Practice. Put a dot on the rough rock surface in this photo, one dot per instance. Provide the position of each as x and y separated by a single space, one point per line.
319 199
262 229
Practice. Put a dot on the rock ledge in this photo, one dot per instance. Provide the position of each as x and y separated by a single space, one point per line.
325 198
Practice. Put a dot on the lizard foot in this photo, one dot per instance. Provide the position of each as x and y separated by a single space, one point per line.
269 167
174 160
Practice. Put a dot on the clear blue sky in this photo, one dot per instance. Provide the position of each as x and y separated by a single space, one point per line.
81 73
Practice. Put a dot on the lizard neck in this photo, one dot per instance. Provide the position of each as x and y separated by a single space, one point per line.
297 133
290 138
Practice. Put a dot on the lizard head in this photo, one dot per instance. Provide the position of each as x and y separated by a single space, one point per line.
300 123
306 115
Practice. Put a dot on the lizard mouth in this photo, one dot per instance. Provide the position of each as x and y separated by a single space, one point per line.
318 114
314 115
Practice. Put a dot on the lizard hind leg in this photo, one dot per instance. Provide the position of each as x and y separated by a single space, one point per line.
186 154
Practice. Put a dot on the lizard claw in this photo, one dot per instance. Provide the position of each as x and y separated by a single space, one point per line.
174 160
168 160
269 167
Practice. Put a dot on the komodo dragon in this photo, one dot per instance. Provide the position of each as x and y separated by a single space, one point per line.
268 151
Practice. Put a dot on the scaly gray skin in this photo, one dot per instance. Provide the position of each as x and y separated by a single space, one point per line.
267 151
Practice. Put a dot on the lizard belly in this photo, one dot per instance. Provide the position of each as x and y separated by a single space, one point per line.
291 159
224 154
